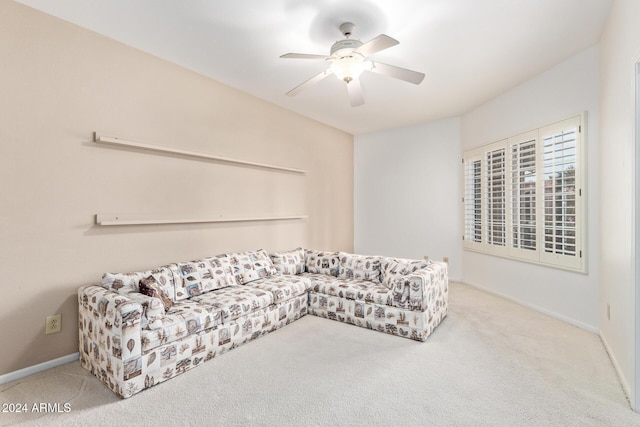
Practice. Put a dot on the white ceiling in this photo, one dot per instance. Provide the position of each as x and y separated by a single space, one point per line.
470 50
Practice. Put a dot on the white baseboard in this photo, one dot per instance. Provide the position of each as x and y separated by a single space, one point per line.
616 367
21 373
569 320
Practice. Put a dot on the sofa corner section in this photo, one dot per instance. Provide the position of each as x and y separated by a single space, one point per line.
109 336
418 305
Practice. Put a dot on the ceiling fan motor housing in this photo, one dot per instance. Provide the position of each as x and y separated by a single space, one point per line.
343 47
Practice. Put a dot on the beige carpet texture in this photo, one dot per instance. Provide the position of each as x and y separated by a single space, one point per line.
490 363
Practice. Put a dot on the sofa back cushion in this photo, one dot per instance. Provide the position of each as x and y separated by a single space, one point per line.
204 275
359 267
393 268
249 266
322 262
290 262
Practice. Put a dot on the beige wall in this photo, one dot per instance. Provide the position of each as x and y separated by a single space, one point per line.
59 83
620 50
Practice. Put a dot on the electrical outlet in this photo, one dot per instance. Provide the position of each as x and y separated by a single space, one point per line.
53 324
446 259
426 257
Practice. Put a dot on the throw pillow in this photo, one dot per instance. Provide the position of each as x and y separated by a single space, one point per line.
123 283
152 309
249 266
203 275
117 281
149 287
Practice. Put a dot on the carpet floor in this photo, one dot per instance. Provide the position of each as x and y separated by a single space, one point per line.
490 363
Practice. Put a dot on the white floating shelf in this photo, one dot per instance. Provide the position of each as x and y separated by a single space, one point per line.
124 143
127 220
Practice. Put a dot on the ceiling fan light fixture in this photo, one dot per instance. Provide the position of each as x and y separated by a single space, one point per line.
348 68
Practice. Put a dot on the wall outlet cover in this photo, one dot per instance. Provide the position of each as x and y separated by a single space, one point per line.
53 324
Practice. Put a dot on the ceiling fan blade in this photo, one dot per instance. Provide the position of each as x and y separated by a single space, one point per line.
355 93
397 72
311 81
376 45
303 56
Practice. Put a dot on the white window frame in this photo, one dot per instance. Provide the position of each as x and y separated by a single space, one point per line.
565 206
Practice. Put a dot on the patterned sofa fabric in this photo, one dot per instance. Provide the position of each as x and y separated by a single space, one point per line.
249 266
131 342
416 325
209 274
351 289
359 267
126 282
393 268
183 318
168 360
204 275
152 308
320 262
290 262
416 291
110 339
283 287
235 301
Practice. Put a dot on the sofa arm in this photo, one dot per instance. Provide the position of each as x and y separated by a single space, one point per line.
152 309
423 288
109 335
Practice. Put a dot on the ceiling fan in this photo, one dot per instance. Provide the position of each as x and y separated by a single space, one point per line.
349 58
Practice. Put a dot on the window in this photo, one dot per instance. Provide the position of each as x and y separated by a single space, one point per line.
472 201
523 196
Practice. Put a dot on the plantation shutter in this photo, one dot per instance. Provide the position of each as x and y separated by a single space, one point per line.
562 207
523 197
472 200
523 236
495 196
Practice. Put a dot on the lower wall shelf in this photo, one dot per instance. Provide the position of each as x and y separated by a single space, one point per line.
128 220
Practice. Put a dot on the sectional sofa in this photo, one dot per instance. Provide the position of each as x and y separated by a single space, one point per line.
139 329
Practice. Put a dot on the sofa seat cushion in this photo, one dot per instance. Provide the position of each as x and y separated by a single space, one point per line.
283 287
182 319
357 290
235 301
